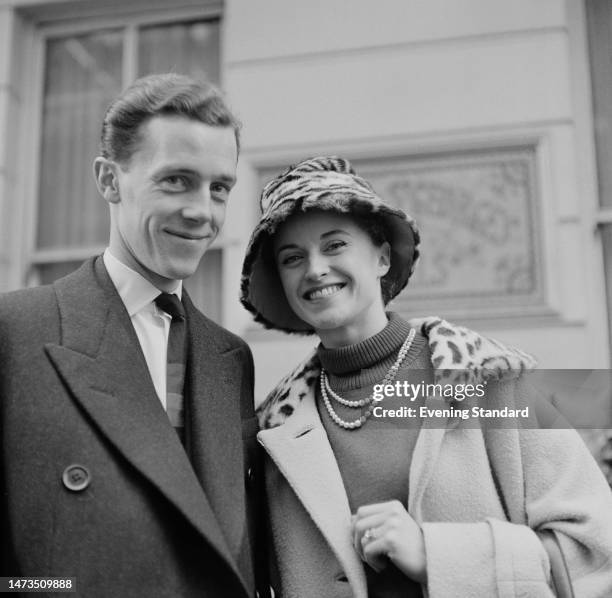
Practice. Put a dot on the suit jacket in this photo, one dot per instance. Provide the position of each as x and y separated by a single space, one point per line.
95 482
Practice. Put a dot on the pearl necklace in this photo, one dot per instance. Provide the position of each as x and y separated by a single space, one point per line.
326 390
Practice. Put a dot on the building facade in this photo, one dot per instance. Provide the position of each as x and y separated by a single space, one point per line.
489 121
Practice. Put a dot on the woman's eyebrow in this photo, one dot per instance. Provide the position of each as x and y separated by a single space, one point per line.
323 236
335 232
286 246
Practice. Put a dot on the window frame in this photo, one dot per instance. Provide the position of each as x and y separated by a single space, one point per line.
596 79
73 22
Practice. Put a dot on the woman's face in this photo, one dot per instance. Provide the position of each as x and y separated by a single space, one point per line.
330 270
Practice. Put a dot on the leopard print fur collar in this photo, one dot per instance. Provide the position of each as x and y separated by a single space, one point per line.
458 355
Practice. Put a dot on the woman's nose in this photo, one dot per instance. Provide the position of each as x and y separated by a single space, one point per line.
318 266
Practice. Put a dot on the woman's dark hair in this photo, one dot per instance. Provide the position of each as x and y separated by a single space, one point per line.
376 231
161 95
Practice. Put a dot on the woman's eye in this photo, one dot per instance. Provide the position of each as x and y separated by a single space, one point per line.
289 260
335 245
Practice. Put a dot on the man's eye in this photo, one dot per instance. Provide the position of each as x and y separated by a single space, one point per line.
220 190
174 183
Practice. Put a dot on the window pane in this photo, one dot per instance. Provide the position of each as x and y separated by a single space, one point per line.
83 73
599 22
599 19
606 238
191 48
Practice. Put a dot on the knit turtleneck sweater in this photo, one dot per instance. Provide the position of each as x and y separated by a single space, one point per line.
374 460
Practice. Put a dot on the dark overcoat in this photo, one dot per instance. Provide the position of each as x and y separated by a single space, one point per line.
95 483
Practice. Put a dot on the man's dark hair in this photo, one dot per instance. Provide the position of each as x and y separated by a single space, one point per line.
167 94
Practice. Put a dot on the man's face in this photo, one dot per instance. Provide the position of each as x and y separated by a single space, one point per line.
170 199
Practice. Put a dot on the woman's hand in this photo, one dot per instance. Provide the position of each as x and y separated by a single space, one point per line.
385 531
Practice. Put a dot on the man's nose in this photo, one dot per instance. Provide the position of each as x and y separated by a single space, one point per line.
199 209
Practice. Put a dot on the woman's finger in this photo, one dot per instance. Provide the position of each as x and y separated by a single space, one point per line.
379 507
360 526
375 553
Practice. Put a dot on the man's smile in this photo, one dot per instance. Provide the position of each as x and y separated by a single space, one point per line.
186 235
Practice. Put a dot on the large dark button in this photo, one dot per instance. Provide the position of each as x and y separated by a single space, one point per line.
76 477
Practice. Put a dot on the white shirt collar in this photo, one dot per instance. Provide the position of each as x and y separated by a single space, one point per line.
135 290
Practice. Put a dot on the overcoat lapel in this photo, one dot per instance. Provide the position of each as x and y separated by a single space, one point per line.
215 386
301 450
100 360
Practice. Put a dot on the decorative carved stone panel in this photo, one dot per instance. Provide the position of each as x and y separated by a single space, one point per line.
477 213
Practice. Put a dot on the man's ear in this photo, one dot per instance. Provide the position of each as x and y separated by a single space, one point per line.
384 258
107 181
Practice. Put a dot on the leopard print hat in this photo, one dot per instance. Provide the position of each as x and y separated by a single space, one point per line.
323 183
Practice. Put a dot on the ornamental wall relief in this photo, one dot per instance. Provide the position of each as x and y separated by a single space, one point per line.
477 213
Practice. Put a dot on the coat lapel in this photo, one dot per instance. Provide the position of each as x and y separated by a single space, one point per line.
301 451
215 388
100 360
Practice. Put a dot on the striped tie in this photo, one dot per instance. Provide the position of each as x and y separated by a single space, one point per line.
175 369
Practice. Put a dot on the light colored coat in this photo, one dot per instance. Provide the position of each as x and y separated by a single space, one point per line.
480 528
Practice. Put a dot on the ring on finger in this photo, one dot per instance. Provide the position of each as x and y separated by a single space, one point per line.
370 534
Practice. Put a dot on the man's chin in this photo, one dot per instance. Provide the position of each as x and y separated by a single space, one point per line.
180 273
177 271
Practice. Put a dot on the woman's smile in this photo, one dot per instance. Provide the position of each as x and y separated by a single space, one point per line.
322 292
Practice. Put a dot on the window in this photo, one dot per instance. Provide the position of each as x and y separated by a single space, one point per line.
83 71
599 21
